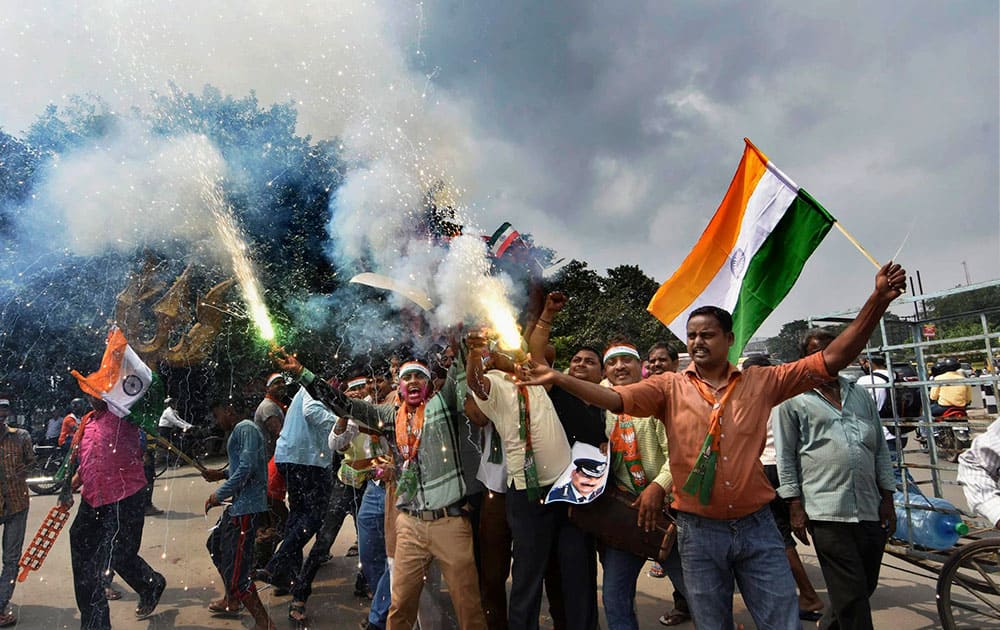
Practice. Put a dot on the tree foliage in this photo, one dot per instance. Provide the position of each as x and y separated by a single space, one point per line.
600 308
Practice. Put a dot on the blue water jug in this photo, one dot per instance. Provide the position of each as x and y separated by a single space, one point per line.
930 529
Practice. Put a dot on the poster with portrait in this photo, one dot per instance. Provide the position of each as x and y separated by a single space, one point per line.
585 477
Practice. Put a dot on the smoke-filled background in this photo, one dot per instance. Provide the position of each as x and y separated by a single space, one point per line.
340 135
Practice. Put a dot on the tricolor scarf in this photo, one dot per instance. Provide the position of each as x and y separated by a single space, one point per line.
524 428
699 483
408 441
625 451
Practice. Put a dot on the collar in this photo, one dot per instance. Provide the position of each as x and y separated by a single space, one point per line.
693 369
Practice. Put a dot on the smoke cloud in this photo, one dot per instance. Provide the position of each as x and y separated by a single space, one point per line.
351 70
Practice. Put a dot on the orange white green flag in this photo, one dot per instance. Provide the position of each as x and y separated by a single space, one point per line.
751 253
122 378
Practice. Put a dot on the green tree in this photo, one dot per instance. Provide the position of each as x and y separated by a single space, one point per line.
785 345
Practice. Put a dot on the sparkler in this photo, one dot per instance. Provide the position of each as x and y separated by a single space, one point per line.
236 247
504 328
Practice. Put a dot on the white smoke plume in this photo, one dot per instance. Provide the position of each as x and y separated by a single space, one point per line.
347 67
133 190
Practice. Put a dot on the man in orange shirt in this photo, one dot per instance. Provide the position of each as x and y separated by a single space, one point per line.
725 527
77 407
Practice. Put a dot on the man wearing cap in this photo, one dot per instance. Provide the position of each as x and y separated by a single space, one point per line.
16 459
430 491
582 482
716 420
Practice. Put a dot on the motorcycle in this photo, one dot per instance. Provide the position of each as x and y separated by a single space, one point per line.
949 441
48 460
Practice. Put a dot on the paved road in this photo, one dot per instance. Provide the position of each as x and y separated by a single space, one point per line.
174 544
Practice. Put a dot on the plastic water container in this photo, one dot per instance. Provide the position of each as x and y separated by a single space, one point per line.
930 529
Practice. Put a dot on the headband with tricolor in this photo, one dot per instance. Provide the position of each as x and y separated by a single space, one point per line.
620 349
356 382
414 366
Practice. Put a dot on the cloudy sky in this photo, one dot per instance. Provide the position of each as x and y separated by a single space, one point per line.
609 130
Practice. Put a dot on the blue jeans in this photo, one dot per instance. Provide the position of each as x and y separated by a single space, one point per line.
672 567
13 541
750 548
621 571
371 552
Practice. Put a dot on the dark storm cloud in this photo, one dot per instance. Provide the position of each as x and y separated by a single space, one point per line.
635 113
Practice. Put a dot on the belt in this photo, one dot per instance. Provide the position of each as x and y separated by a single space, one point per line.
455 509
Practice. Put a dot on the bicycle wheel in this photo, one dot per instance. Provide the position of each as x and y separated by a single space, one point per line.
968 589
947 445
42 479
210 452
161 461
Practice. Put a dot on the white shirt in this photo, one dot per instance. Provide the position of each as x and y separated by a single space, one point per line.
169 418
878 394
548 439
493 476
979 474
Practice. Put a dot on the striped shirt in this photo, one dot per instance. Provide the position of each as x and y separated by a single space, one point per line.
836 460
16 459
979 473
651 437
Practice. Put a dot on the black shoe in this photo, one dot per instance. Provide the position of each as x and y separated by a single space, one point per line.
280 587
148 605
152 510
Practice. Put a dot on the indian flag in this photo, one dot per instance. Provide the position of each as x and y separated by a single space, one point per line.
502 239
122 378
751 253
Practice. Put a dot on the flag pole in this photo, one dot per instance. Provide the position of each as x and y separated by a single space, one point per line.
854 241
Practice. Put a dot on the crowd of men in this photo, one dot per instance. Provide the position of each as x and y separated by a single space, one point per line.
445 464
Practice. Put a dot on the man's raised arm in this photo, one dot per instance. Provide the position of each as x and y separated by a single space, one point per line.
890 282
533 373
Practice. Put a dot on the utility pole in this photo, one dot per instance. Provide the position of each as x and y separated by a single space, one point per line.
966 268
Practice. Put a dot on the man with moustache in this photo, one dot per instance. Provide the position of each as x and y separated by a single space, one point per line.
430 491
639 461
661 358
725 527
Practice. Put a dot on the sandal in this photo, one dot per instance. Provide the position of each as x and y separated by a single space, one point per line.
675 617
112 594
222 610
147 606
297 613
8 618
810 615
656 571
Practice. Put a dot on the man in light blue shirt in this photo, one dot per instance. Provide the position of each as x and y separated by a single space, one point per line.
836 475
303 457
